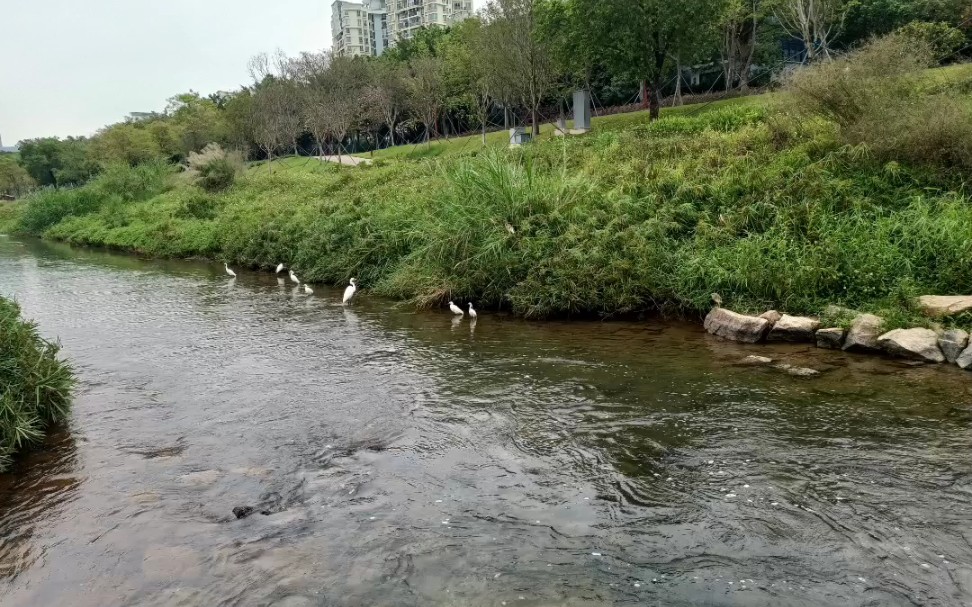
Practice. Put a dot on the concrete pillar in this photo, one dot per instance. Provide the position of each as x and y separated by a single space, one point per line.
582 111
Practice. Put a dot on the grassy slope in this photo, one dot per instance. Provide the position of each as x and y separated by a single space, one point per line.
35 385
631 217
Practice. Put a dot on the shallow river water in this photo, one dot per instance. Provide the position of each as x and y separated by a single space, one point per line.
406 459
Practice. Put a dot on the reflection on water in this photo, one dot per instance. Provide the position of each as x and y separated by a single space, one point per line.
409 458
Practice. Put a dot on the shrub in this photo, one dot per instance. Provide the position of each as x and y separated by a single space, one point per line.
35 384
214 169
940 38
878 98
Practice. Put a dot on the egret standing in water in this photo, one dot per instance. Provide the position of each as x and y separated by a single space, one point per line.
456 309
280 268
349 292
228 270
308 290
293 277
472 312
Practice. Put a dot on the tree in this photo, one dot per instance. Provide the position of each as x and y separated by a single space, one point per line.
125 143
196 121
814 22
52 162
635 39
387 93
521 55
14 180
426 84
741 22
265 119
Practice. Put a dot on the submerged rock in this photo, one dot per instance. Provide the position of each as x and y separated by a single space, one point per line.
756 360
945 305
832 338
797 371
863 334
242 511
793 328
771 315
952 342
919 344
737 327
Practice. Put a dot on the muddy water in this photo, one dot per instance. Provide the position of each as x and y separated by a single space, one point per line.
404 459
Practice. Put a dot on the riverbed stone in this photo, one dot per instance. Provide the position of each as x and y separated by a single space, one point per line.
952 342
918 344
737 327
771 315
945 305
752 359
797 371
965 358
793 328
832 338
863 334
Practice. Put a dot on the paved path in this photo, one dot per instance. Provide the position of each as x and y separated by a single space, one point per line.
345 159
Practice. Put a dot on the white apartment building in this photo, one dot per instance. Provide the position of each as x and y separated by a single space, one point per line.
368 27
359 27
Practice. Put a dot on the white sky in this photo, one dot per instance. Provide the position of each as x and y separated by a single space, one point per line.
69 67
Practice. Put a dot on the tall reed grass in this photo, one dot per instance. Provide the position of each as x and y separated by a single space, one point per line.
35 384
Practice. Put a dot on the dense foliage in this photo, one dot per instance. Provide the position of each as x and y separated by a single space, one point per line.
35 384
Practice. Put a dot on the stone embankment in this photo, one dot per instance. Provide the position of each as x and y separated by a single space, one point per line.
866 332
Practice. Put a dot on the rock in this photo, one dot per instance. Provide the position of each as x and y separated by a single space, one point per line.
965 358
945 305
242 511
793 328
756 360
202 478
919 344
797 371
952 343
863 334
737 327
831 338
771 315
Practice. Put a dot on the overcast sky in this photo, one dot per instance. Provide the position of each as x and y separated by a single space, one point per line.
69 67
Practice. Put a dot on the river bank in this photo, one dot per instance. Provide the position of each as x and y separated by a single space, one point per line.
406 460
648 219
35 384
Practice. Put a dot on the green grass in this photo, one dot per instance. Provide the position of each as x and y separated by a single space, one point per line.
35 384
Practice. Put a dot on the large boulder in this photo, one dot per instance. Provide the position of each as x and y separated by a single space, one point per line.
952 342
863 334
919 344
945 305
737 327
772 316
965 358
832 338
793 328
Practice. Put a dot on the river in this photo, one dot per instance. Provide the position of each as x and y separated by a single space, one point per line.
403 458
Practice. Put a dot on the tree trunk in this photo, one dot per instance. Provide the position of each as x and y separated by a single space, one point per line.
535 119
391 134
484 132
644 94
270 161
677 100
506 119
654 103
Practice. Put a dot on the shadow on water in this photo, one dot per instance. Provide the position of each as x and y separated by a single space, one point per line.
407 458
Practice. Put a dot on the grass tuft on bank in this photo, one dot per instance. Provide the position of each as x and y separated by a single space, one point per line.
35 384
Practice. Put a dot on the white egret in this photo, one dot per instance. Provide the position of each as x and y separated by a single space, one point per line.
228 270
456 309
280 268
308 290
472 312
293 277
349 292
